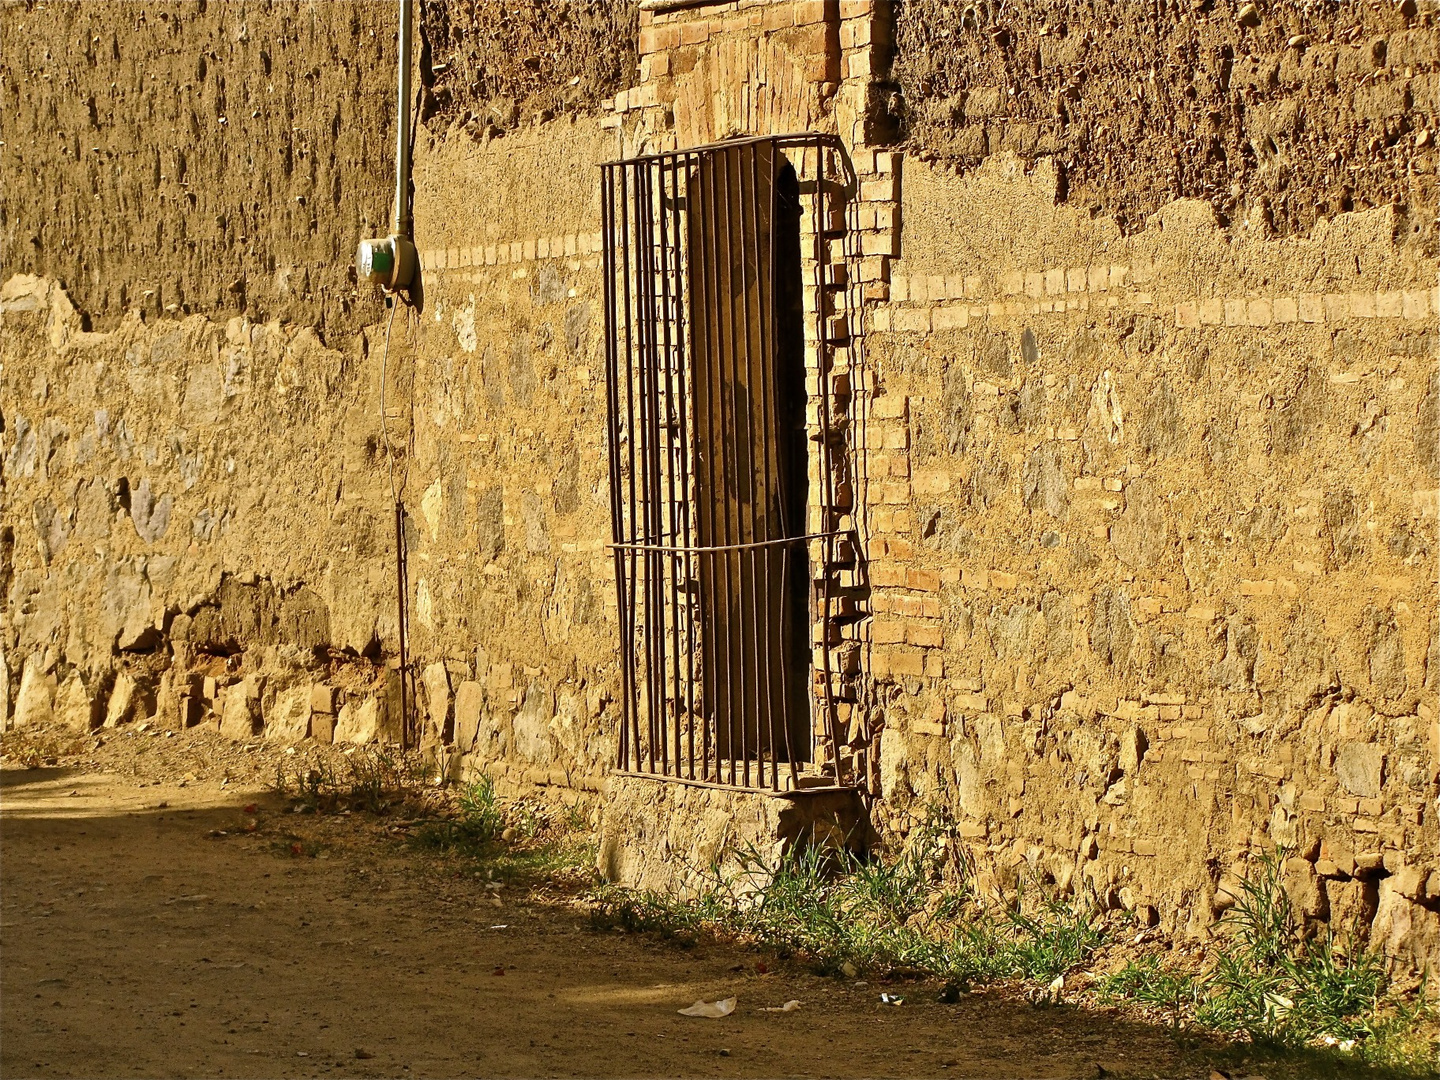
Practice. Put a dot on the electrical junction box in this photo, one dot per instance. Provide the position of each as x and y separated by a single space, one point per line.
386 260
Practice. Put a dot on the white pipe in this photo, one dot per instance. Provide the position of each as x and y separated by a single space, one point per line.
403 223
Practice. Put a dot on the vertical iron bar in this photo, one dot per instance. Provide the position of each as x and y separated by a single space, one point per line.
665 562
755 324
617 497
655 561
735 594
828 488
407 739
647 431
633 573
721 451
686 449
702 229
674 454
765 303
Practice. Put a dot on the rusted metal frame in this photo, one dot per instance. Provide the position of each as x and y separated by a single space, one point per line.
779 541
823 359
654 433
672 452
705 352
789 138
634 436
685 449
612 390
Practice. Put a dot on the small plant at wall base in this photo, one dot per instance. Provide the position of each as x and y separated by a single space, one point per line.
512 839
369 779
1270 986
480 821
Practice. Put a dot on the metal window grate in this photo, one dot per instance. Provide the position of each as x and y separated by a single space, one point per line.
725 456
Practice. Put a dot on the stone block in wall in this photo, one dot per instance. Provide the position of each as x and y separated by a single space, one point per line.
322 698
36 697
435 687
469 702
76 707
1360 768
240 717
1402 928
132 698
289 718
322 727
358 722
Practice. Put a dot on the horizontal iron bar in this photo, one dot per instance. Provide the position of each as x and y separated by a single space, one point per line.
773 793
793 138
681 549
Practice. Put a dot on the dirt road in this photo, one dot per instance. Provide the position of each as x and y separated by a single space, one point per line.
135 942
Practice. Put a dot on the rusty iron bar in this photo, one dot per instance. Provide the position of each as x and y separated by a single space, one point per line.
407 732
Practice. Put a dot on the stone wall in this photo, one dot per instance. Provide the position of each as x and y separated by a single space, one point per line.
1144 497
1153 548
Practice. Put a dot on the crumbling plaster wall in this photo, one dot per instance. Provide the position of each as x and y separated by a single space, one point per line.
198 520
1279 113
178 158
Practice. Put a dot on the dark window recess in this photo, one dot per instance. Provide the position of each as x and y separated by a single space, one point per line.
721 547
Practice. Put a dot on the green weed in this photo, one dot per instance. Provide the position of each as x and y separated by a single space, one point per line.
1271 986
479 822
370 778
840 913
515 840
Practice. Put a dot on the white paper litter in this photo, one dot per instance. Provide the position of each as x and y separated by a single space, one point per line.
711 1009
789 1006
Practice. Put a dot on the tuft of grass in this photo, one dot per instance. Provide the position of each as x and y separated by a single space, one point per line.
1272 987
479 822
514 840
372 779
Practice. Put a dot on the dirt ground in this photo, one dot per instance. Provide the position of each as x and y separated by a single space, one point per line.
147 931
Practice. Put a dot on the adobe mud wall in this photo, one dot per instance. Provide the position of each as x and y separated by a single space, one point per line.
1279 114
1147 515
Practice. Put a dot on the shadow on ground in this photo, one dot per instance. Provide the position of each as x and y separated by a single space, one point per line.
148 931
